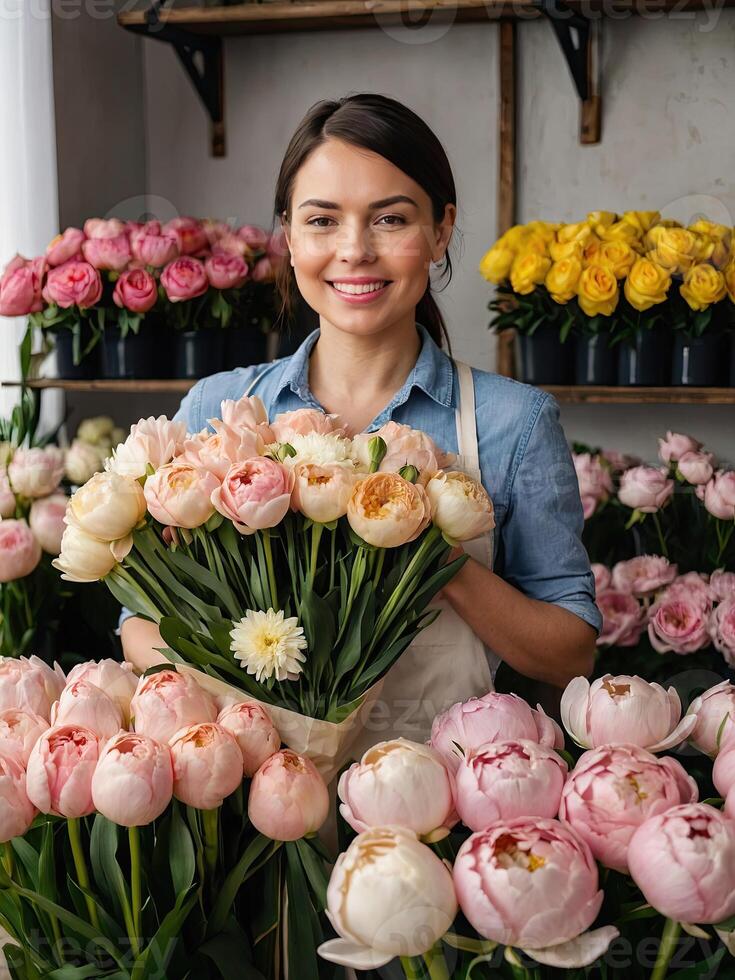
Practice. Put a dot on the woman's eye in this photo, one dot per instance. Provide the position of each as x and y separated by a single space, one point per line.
396 219
313 222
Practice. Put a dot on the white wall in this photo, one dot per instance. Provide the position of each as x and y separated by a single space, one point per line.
668 144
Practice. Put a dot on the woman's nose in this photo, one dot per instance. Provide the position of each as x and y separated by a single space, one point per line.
354 244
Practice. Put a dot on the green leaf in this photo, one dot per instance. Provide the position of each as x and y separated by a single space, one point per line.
29 858
705 969
315 870
362 621
235 879
181 853
158 952
106 871
304 934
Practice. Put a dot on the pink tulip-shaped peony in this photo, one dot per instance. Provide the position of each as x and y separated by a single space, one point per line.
322 493
60 769
389 895
492 718
64 247
27 683
190 235
530 883
219 452
21 287
613 789
623 709
17 813
645 488
303 422
47 521
103 227
288 798
595 482
253 731
133 782
678 624
723 771
108 253
167 701
683 861
180 494
73 284
255 494
226 271
19 732
7 497
36 472
398 783
152 248
184 279
85 704
503 780
603 577
676 445
721 629
116 679
622 619
714 715
719 495
136 290
20 552
722 585
405 447
207 765
696 468
152 442
643 575
247 412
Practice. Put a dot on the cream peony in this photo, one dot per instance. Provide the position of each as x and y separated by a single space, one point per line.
152 442
107 507
462 507
83 558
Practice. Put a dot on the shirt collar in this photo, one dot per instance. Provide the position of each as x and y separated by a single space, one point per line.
432 373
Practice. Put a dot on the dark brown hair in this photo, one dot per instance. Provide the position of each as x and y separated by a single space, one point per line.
385 126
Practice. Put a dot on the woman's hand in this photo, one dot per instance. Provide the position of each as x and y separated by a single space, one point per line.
141 640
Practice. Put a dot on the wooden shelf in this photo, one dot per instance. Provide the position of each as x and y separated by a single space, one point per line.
591 395
314 15
171 385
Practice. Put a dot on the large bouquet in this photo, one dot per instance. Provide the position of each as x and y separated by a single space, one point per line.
281 559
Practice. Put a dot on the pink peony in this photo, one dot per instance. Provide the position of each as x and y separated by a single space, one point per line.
721 628
303 422
678 624
19 732
263 270
36 472
231 245
643 575
85 704
152 442
184 279
28 684
117 680
190 235
503 780
256 238
226 271
696 468
254 732
595 482
622 619
714 713
47 521
675 445
153 249
20 552
722 585
405 447
60 770
17 813
133 781
180 495
613 789
723 771
623 709
136 290
492 718
214 230
603 577
683 860
168 701
108 253
255 494
719 495
645 488
288 798
65 247
73 284
207 765
21 287
693 586
103 227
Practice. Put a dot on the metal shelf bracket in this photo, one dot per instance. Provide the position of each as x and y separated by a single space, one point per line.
202 59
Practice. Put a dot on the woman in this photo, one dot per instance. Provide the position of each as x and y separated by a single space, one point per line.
367 203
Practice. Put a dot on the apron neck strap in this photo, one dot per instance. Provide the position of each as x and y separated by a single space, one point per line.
467 421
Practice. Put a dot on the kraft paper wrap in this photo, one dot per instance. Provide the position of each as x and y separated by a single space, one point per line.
326 743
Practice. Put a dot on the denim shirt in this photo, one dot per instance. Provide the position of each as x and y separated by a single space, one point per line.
525 461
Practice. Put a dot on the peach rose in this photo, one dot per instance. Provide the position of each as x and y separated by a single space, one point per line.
645 488
135 290
388 511
184 278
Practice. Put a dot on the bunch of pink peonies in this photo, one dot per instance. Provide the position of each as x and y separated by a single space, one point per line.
527 877
681 613
102 740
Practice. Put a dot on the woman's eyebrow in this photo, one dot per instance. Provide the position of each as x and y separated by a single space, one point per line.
386 202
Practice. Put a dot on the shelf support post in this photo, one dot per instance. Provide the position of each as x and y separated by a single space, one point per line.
202 59
579 38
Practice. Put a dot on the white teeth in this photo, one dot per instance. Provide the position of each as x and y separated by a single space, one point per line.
356 289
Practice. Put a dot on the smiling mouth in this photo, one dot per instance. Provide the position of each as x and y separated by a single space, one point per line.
359 289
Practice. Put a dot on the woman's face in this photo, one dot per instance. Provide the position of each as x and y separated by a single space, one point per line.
358 223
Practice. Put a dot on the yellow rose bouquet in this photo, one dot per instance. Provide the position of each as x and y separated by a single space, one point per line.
283 561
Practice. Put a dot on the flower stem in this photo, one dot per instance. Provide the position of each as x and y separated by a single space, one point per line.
436 963
723 540
8 858
271 571
80 864
413 968
135 886
210 822
666 949
316 534
664 549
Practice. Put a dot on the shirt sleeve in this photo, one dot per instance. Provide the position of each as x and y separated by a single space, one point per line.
543 553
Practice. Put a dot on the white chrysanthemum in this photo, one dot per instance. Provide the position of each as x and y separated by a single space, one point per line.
266 644
322 449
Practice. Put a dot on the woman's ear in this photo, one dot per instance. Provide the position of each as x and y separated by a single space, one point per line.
444 232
